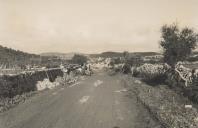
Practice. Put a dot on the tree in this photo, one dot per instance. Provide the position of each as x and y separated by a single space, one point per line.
79 59
177 44
125 54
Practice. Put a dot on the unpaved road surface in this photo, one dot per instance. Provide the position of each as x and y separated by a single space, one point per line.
99 101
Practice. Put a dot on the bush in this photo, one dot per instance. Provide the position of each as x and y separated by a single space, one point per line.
117 60
117 69
134 60
126 69
152 73
79 59
135 72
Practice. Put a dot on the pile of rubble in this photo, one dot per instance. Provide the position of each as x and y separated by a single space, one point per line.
46 84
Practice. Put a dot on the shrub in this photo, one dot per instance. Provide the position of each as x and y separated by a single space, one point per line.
135 72
126 69
152 73
135 60
117 69
79 59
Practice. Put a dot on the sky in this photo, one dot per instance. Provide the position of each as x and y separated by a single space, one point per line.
91 26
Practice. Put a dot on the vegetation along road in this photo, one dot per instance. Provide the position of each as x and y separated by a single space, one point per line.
99 101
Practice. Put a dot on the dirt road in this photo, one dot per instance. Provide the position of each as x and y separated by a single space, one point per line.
99 101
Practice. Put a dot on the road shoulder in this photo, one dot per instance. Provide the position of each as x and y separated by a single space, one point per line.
164 104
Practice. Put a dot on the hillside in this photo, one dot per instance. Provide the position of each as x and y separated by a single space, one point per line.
65 56
52 54
145 53
10 57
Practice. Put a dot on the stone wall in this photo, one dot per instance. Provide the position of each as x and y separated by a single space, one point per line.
12 85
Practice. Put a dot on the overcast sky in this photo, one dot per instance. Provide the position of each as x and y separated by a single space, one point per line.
88 26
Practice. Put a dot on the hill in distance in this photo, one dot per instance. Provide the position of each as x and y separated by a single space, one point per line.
120 54
65 56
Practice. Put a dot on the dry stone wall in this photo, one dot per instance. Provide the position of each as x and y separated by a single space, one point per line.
12 85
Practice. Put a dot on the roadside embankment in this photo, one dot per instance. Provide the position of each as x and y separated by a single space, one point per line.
169 108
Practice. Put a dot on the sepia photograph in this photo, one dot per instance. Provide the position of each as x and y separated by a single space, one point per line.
98 64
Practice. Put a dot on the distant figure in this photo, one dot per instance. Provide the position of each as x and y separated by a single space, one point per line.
89 67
